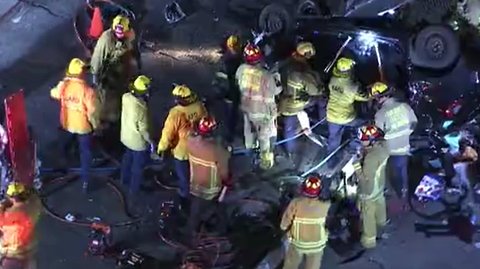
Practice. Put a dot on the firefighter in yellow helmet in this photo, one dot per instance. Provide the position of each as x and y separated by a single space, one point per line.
78 113
302 88
398 121
209 168
304 221
258 89
111 66
134 134
343 93
231 60
370 172
179 124
19 214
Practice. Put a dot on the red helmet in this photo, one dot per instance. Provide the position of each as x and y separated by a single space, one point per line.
252 54
369 133
206 125
312 186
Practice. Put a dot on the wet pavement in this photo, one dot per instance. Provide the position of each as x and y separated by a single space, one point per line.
62 245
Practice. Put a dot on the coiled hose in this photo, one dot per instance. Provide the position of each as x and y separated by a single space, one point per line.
69 178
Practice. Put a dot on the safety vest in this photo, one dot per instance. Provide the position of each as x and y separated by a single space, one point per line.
343 94
258 89
78 104
178 126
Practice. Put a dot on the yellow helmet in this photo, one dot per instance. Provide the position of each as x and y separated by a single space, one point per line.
305 49
233 42
15 189
76 67
121 21
141 84
379 89
343 67
182 91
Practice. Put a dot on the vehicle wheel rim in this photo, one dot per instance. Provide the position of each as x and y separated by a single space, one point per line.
308 9
274 23
435 46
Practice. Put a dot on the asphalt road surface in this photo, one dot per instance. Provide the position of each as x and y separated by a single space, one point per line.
63 245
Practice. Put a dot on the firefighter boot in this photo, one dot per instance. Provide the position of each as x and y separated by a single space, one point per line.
266 160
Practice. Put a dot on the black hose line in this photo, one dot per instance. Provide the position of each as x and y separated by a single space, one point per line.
70 178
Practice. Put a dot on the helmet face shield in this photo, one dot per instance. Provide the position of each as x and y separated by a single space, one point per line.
119 31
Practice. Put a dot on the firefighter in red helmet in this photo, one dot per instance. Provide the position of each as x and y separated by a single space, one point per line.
258 88
370 171
209 172
304 220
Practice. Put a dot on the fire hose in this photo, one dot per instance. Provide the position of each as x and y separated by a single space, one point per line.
69 179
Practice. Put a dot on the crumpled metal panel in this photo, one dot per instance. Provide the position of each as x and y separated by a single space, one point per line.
21 148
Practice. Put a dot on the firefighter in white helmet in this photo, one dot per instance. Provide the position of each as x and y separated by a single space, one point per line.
397 119
343 93
258 89
19 214
302 88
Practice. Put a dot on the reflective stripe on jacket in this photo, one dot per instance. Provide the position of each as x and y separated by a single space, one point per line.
372 172
396 119
18 228
208 166
301 85
304 219
109 50
134 123
258 89
343 93
178 126
78 105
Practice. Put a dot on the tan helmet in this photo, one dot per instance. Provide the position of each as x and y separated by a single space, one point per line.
305 49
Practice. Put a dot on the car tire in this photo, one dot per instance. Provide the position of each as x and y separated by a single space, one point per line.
275 19
435 47
307 8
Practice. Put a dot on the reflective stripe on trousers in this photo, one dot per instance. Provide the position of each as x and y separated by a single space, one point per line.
294 257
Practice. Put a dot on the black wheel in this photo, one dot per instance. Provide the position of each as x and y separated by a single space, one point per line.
435 47
306 8
275 19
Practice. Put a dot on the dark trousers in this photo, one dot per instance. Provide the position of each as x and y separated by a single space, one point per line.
85 148
182 169
133 164
336 131
290 124
201 211
231 117
398 171
14 263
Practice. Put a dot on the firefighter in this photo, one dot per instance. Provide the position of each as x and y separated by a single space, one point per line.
231 60
304 220
302 87
134 133
180 122
209 166
370 171
398 121
78 113
111 65
343 92
19 214
258 89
